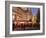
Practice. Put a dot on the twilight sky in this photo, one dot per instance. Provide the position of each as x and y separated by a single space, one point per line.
34 11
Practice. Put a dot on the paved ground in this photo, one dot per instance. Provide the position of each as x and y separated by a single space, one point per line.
26 27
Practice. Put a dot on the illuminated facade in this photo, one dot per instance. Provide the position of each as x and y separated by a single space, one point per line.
21 14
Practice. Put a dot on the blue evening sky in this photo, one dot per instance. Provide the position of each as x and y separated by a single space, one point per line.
34 11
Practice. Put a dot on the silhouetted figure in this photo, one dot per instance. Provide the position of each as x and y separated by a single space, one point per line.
13 26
